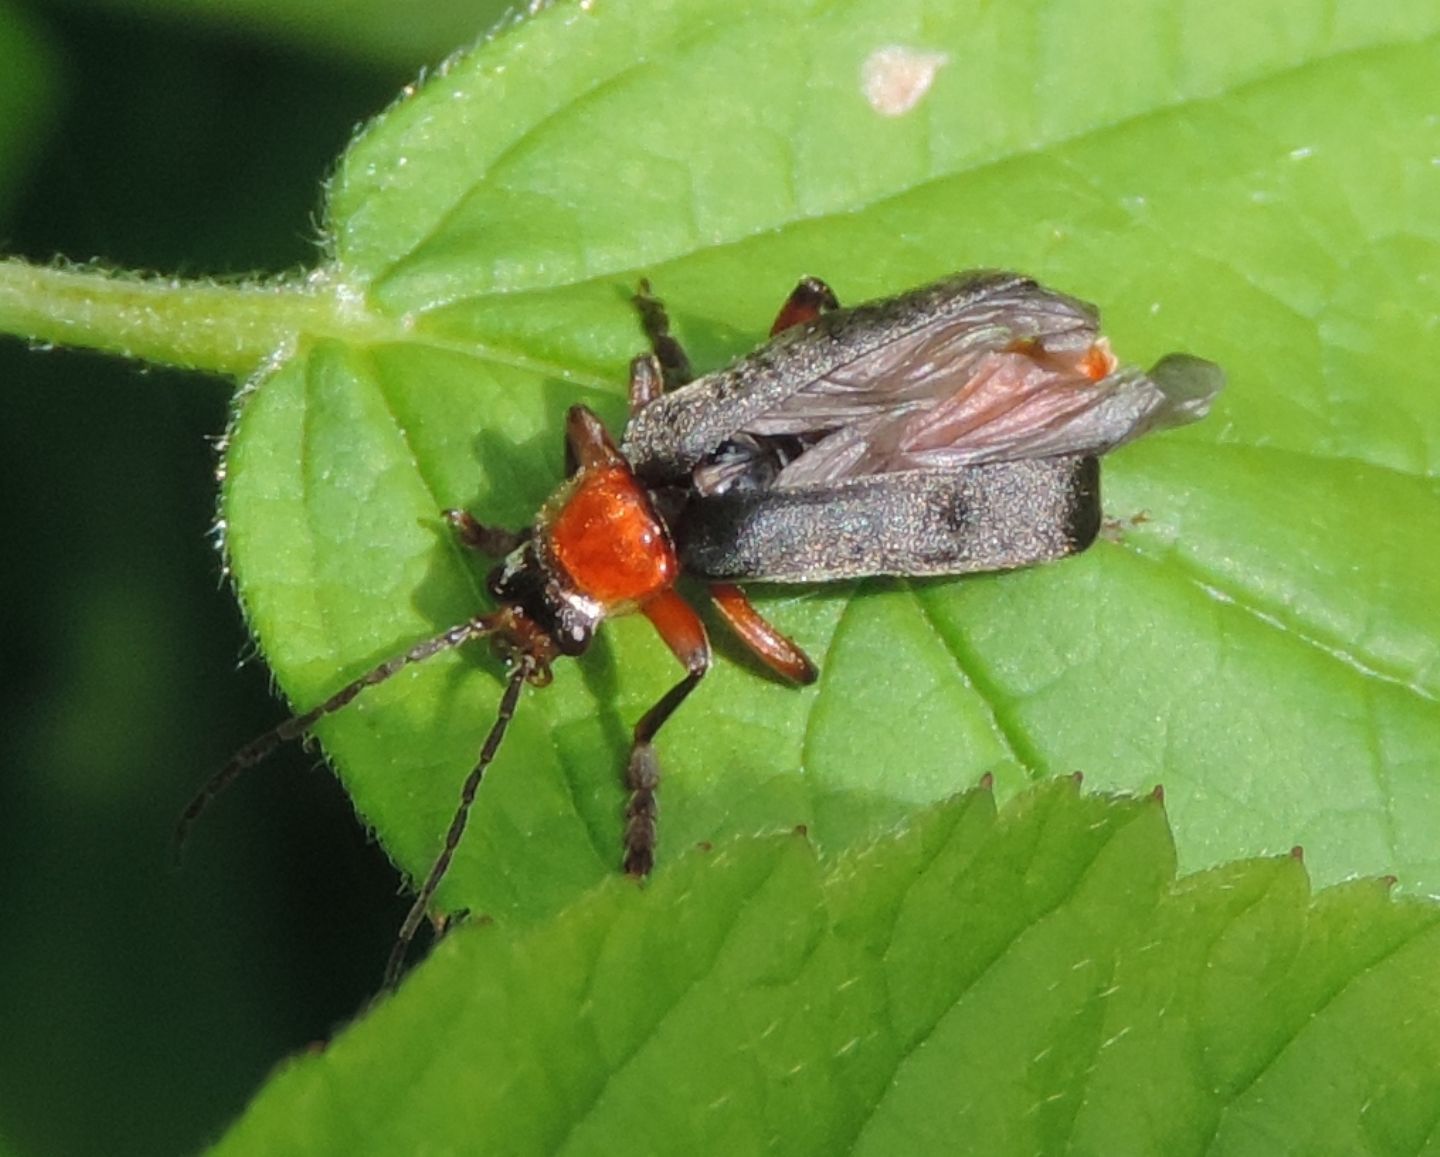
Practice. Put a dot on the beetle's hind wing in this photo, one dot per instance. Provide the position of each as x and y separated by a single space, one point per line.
978 368
1189 386
846 362
1024 400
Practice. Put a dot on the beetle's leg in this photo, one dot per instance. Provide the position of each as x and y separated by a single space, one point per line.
647 382
494 541
587 443
1113 529
774 649
521 672
674 362
684 634
807 301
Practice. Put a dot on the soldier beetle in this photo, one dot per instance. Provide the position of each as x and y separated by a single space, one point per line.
952 429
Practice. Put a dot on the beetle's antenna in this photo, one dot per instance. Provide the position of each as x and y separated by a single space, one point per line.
524 667
257 749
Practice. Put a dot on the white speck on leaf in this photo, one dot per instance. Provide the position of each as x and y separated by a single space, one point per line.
894 79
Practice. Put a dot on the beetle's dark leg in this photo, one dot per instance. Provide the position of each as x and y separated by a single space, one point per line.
471 785
774 649
257 749
807 301
494 541
647 382
674 362
684 634
1113 529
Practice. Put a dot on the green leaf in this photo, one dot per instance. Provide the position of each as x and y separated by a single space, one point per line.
1263 645
1254 183
1033 982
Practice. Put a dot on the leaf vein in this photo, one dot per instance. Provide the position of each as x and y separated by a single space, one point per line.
919 1037
1301 1024
1215 589
1010 737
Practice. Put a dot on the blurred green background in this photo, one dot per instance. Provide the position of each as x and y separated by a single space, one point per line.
139 1006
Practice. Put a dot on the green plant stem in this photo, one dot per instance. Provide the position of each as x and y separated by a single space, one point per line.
228 329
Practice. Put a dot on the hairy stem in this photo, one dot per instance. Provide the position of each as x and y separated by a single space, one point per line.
229 329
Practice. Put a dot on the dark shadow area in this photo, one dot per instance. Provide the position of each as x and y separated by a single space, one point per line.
142 1006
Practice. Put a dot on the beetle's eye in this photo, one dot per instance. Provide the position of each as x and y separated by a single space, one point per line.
573 633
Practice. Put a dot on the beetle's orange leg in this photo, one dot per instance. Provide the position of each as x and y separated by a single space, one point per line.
684 633
494 541
587 442
674 362
669 365
774 649
807 301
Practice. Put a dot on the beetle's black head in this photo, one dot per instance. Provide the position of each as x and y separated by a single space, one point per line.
534 585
